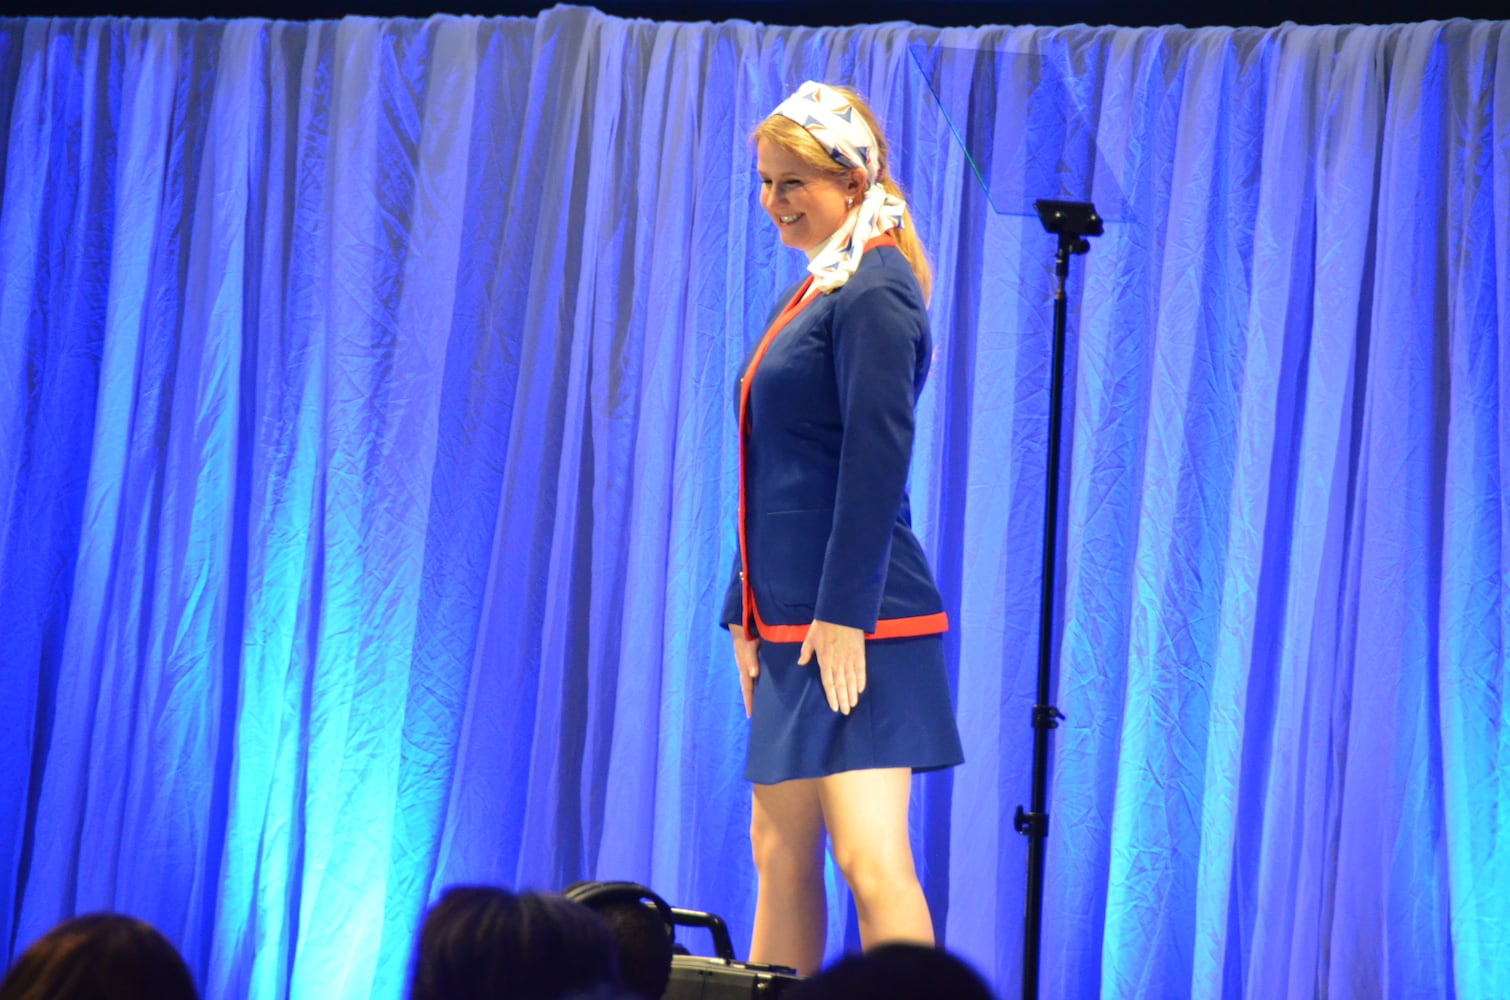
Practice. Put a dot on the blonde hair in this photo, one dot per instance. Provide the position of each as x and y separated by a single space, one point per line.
793 138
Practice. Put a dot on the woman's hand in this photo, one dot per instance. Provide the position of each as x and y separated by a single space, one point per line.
841 662
748 663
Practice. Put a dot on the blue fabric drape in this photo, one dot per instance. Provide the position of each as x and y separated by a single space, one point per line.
366 464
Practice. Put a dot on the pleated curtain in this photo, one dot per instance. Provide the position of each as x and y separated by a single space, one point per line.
368 463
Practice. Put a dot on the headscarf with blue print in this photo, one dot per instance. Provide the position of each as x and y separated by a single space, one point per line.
840 129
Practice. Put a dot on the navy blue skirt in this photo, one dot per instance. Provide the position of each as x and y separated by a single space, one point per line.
904 718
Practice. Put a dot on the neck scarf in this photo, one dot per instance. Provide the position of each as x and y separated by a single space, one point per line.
841 130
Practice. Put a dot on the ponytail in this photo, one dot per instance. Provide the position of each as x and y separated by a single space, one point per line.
910 244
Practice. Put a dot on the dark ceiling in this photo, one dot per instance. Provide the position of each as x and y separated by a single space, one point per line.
1192 13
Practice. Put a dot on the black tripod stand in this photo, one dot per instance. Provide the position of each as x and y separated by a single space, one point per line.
1072 221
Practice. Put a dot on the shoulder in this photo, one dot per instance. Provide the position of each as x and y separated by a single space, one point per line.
883 283
885 265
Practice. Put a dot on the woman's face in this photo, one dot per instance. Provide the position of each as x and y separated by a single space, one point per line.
806 205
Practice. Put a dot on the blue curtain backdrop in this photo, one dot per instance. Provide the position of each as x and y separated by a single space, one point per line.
367 464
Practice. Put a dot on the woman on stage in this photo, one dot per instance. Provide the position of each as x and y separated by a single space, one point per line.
834 614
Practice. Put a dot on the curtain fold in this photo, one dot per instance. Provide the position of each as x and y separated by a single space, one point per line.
367 463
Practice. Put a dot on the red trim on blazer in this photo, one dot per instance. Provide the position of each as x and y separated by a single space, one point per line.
798 303
886 628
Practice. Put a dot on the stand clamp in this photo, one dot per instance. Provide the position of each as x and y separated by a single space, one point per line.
1036 824
1046 717
1030 824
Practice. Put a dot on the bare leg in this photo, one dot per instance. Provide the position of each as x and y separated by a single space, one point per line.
791 916
866 814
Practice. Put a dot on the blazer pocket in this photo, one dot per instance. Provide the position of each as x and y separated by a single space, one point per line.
800 538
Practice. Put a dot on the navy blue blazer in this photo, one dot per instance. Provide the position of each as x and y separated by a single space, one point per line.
824 529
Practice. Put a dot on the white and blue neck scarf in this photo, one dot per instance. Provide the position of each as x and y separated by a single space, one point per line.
828 116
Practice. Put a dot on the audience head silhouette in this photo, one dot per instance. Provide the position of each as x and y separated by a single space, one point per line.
101 956
480 942
896 972
642 925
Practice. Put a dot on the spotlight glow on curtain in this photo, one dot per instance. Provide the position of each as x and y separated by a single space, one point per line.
366 463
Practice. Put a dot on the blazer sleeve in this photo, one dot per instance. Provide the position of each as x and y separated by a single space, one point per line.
734 609
878 337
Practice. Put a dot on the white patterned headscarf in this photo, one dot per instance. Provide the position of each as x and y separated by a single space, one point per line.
840 129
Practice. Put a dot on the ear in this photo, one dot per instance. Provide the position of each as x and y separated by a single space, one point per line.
856 184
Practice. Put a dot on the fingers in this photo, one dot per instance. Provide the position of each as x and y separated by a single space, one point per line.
842 684
747 661
749 669
830 686
826 662
841 663
839 652
849 687
745 652
854 680
841 669
839 699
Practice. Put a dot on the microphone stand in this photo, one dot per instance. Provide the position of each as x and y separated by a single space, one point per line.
1072 221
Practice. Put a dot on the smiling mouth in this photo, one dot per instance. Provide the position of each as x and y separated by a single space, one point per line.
787 220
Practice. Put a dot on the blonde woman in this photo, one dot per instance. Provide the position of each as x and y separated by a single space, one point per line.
833 610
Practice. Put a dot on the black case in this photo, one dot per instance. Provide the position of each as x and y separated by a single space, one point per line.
698 977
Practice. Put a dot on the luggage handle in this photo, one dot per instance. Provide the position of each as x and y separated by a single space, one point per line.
723 945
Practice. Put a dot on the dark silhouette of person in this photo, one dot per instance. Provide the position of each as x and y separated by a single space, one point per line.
897 971
486 943
642 925
100 956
